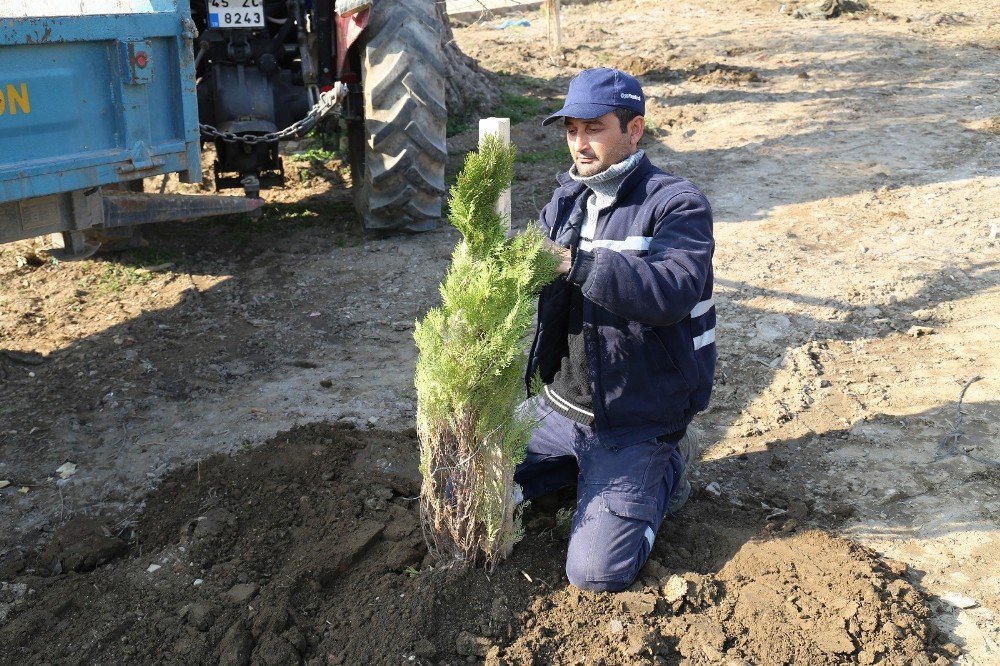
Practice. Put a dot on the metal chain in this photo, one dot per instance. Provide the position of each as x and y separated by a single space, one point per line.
327 102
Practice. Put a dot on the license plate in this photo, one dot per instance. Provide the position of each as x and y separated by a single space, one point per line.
236 13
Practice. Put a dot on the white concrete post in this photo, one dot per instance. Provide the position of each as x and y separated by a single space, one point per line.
555 27
499 126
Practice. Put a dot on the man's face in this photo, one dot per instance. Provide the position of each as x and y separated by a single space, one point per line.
599 143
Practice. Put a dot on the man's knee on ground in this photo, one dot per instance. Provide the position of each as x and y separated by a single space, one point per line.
611 541
600 579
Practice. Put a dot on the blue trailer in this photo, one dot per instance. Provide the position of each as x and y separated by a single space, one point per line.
89 103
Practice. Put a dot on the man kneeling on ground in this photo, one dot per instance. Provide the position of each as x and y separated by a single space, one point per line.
625 338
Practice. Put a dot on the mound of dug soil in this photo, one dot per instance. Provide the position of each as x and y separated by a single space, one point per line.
718 73
652 70
309 549
828 9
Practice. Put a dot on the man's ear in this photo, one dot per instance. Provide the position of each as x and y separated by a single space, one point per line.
636 127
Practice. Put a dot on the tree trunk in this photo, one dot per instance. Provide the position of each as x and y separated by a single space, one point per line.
471 90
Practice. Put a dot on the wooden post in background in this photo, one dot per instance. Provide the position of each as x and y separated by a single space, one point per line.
499 126
555 27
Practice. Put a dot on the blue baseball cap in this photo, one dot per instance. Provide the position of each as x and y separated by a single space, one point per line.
594 92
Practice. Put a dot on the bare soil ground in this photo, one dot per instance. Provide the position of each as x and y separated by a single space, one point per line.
310 547
852 167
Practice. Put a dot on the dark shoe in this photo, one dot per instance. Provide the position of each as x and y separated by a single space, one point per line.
689 450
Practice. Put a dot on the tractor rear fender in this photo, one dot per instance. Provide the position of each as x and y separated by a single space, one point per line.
351 20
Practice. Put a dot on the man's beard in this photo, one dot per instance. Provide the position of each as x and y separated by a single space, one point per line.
591 168
598 165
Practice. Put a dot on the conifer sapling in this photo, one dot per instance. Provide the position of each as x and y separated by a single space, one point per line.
471 366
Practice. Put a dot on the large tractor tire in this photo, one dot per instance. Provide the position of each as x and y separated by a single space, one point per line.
401 184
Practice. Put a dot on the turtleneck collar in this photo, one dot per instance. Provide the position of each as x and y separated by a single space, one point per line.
608 181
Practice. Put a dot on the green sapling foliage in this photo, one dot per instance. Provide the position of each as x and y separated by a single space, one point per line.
471 365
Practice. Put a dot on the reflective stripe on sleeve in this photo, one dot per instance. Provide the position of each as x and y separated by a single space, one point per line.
702 308
706 338
635 243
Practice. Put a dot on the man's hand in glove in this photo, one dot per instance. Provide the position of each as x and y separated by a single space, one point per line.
564 253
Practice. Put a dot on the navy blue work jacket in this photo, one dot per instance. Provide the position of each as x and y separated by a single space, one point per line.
648 312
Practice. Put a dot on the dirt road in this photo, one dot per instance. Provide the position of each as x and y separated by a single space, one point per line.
852 165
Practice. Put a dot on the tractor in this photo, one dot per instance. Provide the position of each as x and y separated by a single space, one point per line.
264 66
98 95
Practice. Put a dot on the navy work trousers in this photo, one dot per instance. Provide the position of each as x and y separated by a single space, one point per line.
621 495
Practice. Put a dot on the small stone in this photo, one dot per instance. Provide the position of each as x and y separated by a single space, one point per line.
153 568
615 627
714 489
242 592
66 470
675 589
919 331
